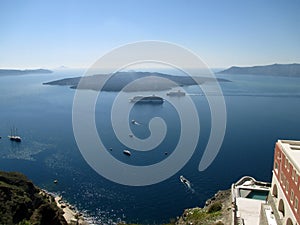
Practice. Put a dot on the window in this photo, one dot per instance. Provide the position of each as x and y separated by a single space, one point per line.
285 162
287 187
296 204
278 155
276 167
288 166
296 178
292 196
283 181
293 174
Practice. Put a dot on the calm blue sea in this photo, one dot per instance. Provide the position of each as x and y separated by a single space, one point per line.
260 110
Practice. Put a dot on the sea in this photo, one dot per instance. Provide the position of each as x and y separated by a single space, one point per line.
259 111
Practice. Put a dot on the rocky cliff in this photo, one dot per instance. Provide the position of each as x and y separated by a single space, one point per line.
22 203
217 211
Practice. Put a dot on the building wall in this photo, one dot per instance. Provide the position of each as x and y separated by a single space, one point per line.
286 180
285 213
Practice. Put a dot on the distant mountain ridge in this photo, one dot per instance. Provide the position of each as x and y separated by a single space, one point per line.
13 72
289 70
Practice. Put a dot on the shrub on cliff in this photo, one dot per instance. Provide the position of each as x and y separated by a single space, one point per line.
214 207
21 203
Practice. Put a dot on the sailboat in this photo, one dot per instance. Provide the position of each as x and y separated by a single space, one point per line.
13 135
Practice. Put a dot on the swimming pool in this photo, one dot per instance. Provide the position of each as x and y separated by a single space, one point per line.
258 194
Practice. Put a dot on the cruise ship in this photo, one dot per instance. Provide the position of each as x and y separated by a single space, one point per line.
147 99
176 93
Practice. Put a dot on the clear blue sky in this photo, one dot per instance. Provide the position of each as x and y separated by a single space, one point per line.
52 33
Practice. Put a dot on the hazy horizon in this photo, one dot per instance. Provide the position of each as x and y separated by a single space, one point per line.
50 34
141 69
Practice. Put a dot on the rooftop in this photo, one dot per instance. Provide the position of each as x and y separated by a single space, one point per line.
248 208
292 151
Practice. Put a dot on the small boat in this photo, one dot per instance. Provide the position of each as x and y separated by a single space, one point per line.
130 135
134 122
127 152
55 181
15 138
13 135
147 99
185 181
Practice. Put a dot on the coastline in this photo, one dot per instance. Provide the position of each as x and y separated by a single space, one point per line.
201 216
217 211
71 215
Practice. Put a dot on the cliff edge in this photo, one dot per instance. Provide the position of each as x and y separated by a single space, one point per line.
217 211
22 203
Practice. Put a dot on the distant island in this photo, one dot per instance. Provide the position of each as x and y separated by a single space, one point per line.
288 70
152 81
13 72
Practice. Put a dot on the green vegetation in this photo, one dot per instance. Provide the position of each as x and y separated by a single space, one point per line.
219 223
212 214
172 222
200 215
215 207
24 222
217 211
21 203
123 223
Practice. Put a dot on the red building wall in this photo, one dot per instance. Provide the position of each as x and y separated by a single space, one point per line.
288 179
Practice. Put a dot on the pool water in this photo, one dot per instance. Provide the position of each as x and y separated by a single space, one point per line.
258 195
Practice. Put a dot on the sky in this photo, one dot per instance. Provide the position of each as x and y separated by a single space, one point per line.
54 33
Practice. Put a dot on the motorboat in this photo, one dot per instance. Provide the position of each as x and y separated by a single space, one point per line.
185 181
127 152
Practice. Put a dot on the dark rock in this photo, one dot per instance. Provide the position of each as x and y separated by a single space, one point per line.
20 201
